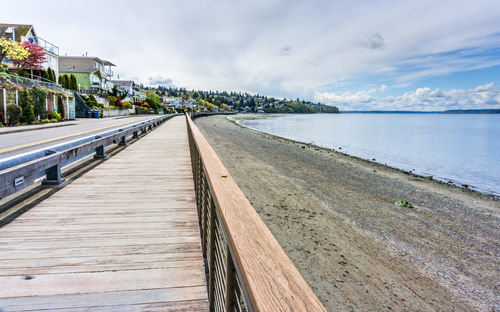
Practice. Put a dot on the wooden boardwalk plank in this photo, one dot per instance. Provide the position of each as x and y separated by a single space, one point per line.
122 237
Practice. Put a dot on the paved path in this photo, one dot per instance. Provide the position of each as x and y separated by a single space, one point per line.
122 237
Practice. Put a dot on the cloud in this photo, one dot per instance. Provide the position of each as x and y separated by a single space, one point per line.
239 46
375 42
160 80
382 88
284 50
422 99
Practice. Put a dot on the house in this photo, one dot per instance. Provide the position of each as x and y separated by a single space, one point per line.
26 33
128 86
92 73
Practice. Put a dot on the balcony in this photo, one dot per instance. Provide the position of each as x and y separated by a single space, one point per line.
49 47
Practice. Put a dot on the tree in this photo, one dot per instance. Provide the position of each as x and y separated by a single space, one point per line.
51 74
12 50
73 85
153 100
39 98
27 107
62 80
35 59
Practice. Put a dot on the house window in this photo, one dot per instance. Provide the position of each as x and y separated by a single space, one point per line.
96 65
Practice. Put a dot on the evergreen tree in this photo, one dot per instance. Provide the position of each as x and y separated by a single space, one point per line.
73 84
27 114
39 98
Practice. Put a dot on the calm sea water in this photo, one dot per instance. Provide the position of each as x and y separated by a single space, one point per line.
463 149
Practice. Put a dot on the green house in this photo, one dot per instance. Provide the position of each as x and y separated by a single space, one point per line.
92 73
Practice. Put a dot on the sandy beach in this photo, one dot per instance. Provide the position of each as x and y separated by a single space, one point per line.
336 218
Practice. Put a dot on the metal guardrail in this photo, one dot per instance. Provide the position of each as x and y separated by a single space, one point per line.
247 269
23 172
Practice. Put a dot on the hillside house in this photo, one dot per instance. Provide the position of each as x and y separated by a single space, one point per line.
26 33
92 73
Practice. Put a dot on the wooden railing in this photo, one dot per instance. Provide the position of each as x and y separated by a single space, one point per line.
247 269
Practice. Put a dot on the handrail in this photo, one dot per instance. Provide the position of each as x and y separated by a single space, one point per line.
247 268
18 177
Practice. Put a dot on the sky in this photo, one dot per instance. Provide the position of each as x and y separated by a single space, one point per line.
357 55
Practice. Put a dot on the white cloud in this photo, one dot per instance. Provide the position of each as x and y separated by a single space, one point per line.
236 45
422 99
382 88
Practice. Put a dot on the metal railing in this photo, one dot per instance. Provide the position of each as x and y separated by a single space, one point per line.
247 269
20 172
27 82
49 47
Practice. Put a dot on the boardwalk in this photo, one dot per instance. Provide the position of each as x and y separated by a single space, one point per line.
123 237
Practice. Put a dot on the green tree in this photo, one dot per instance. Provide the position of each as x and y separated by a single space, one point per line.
39 99
27 106
73 84
153 100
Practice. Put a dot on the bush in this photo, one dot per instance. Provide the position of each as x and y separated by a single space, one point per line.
112 100
127 104
57 116
14 114
2 116
145 105
28 115
39 97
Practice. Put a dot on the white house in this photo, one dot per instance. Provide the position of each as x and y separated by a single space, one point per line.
26 33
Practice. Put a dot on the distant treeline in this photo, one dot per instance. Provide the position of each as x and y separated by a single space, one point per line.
472 111
248 102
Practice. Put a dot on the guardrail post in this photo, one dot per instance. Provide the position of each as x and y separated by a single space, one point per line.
53 174
135 135
123 141
100 152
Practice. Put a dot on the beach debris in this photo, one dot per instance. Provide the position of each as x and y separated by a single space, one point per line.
403 203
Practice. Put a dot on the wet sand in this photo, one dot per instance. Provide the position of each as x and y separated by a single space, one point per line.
335 217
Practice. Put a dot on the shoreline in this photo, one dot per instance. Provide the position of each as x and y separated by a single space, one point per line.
448 182
336 218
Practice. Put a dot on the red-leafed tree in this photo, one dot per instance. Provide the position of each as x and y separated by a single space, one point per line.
34 61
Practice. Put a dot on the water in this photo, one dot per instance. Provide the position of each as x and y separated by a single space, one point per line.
459 148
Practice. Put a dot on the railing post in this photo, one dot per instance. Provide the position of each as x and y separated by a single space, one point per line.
100 152
210 253
135 135
123 141
53 174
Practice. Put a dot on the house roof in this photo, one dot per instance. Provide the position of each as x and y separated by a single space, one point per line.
20 30
104 62
122 82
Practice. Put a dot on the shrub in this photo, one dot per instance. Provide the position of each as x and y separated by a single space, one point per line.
26 104
2 116
112 100
145 105
39 97
138 103
127 104
57 116
14 114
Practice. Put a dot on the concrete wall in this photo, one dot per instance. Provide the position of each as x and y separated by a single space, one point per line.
114 113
